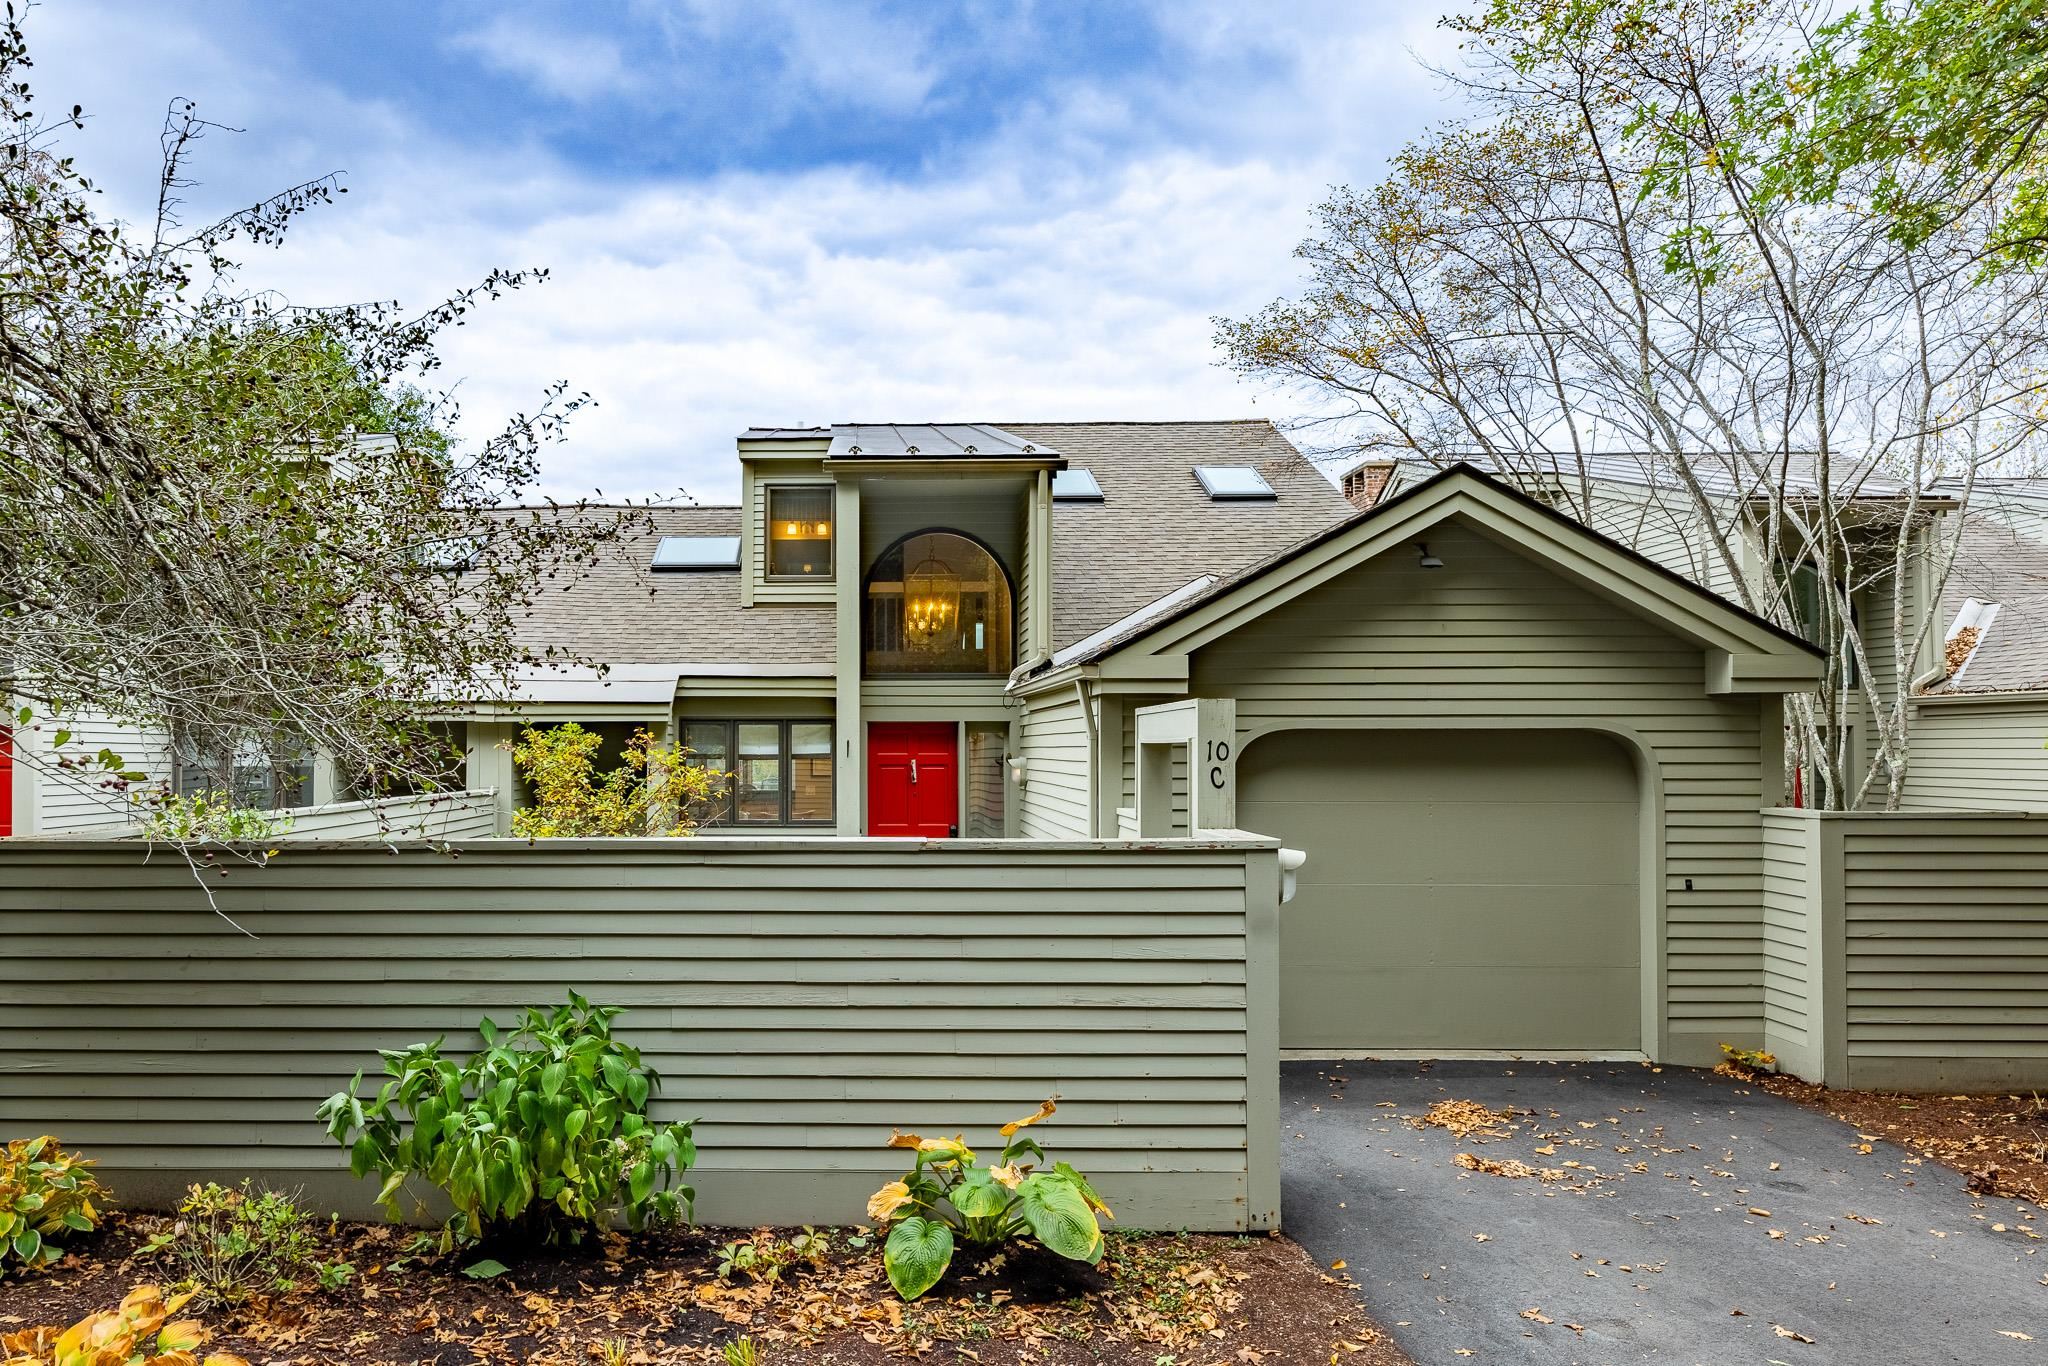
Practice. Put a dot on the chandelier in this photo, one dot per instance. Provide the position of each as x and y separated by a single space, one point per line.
931 603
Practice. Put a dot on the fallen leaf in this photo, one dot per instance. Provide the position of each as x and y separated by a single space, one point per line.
2008 1333
1337 1265
1782 1331
1536 1315
1759 1213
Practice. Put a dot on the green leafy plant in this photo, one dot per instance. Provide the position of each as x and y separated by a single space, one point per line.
543 1135
765 1257
948 1198
231 1242
202 817
45 1193
133 1334
741 1352
654 791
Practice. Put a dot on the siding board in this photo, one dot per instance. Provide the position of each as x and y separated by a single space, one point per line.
799 999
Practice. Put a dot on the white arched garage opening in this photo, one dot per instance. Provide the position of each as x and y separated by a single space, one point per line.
1465 890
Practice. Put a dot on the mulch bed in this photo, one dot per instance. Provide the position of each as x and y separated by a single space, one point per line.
1159 1300
1999 1142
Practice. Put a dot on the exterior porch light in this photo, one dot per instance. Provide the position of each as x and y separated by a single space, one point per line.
1424 558
931 603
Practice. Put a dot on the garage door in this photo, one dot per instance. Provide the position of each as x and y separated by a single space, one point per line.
1464 890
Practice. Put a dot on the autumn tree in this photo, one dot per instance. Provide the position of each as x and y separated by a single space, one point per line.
1586 276
236 519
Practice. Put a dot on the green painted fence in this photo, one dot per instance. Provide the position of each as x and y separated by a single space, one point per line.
1908 950
799 998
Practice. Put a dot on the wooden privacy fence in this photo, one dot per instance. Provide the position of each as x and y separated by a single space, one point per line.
800 998
1907 950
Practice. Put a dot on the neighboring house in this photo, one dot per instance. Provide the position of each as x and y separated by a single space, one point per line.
1981 726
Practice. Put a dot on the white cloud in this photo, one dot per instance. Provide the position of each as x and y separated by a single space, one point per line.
574 66
1067 268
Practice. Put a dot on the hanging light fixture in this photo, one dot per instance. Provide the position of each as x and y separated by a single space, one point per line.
931 603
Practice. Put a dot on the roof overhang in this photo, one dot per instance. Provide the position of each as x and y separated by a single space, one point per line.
1743 652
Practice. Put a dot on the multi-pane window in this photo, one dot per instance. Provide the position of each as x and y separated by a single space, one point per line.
781 770
247 777
800 531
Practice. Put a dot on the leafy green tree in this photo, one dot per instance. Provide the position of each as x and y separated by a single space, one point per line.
1936 109
235 519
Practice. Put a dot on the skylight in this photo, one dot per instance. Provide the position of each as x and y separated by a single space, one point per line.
452 555
1233 482
1073 485
684 553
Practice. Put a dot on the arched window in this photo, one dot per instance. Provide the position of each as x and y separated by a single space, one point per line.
937 603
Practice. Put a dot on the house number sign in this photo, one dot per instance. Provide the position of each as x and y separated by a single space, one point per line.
1218 756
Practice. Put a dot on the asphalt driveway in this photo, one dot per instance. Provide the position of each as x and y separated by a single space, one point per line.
1692 1197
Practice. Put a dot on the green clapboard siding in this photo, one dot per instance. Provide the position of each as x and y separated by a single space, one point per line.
1053 741
1914 948
800 999
1967 756
1493 641
1945 924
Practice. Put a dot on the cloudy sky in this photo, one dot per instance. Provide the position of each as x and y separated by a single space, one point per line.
777 211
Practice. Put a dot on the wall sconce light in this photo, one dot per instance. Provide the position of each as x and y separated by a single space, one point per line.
1424 558
1016 764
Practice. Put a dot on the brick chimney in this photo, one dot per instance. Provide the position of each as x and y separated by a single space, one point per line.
1364 484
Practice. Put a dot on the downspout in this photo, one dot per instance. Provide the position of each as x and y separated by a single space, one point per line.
1094 758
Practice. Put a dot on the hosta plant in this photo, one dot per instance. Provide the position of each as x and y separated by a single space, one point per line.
140 1332
542 1135
45 1193
948 1198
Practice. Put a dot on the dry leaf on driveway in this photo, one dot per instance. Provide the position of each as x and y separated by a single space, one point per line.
1782 1331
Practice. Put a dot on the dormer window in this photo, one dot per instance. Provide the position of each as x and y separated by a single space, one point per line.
800 531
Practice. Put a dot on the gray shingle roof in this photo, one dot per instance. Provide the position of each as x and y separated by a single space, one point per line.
1198 594
620 611
1155 529
1993 564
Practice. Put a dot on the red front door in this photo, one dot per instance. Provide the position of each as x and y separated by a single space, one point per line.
914 779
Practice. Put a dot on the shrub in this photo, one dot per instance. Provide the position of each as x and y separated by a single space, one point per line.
543 1135
45 1193
234 1242
656 791
198 817
135 1334
765 1257
946 1197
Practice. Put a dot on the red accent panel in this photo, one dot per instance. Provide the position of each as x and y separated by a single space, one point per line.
6 781
914 779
